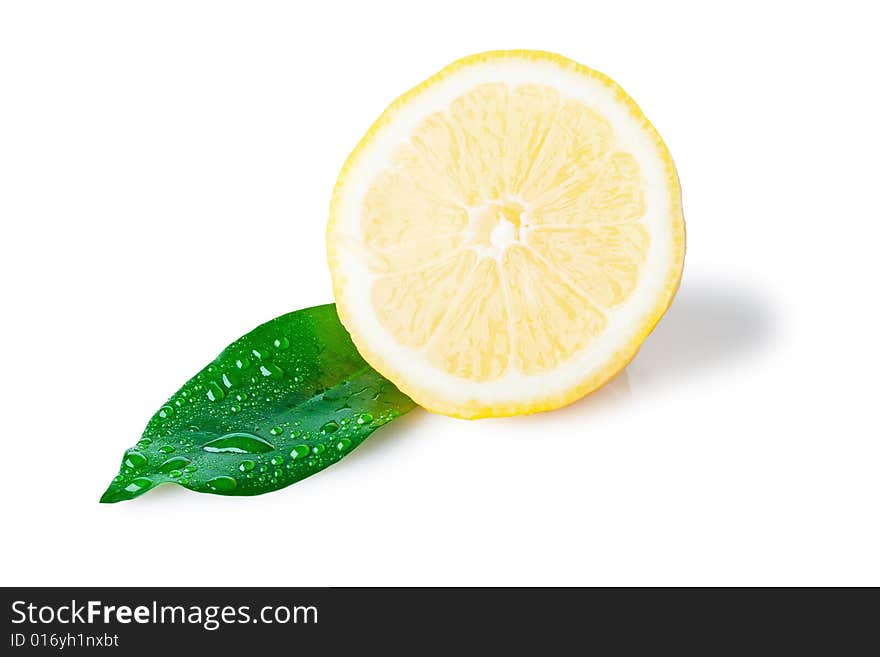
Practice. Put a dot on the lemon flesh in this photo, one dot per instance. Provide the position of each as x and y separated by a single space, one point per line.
506 235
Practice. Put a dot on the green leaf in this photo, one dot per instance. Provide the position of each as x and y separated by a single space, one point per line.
283 402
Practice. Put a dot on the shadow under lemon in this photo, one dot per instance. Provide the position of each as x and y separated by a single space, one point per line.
709 327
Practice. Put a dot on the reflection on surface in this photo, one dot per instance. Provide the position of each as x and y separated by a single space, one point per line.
616 389
615 393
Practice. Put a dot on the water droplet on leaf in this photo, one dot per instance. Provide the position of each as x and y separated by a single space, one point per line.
272 370
174 463
222 484
215 392
138 485
134 460
300 451
239 443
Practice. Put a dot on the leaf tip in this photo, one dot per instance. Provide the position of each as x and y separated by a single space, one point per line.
114 493
109 497
121 490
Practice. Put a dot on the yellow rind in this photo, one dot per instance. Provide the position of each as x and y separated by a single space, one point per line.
474 409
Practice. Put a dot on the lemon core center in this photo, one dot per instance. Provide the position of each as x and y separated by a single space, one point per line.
496 224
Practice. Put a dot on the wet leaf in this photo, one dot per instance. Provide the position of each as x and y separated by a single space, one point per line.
283 402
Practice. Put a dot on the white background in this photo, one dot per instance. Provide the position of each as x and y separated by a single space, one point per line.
165 172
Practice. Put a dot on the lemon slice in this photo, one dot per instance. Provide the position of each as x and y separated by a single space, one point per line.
506 235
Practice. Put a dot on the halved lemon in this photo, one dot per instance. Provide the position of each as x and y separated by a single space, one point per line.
506 235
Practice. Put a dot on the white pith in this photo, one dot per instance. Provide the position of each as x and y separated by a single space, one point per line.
355 278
